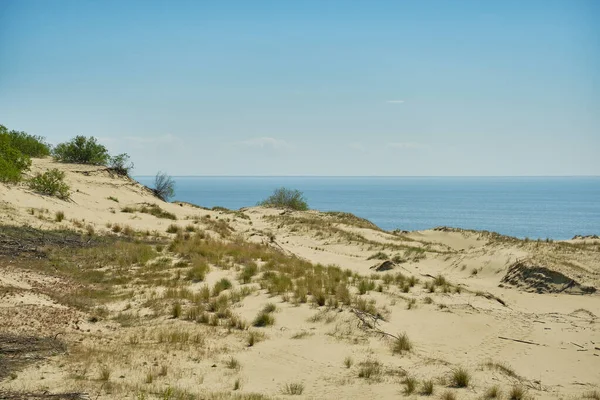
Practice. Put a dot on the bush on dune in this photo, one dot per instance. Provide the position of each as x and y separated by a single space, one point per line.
12 161
28 145
286 198
50 183
164 186
120 164
82 150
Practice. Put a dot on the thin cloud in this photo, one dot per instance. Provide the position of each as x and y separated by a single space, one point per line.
357 146
407 145
395 101
264 143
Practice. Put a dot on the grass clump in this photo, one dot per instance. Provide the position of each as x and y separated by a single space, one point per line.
248 272
294 388
233 363
460 377
492 393
263 319
427 388
410 384
50 183
286 198
594 394
269 308
370 369
254 337
176 310
348 361
221 285
448 395
198 271
401 344
59 216
517 392
173 228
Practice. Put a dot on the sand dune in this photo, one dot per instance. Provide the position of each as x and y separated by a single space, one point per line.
512 313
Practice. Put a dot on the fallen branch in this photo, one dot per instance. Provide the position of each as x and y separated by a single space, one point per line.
520 341
369 321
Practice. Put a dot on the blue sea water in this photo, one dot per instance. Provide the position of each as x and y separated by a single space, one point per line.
534 207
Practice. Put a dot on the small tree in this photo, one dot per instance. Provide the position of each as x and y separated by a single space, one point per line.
164 186
82 150
121 164
50 183
286 198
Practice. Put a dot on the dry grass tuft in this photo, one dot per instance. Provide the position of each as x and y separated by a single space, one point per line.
370 369
294 388
460 377
492 393
401 344
427 388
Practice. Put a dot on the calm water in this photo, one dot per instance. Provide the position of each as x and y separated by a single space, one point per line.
555 207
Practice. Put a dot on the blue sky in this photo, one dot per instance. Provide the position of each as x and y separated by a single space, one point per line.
311 87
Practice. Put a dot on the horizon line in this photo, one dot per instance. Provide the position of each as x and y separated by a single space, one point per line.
375 176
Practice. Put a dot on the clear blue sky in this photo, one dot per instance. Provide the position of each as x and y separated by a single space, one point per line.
312 87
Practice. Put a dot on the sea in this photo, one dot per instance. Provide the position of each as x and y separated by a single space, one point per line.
525 207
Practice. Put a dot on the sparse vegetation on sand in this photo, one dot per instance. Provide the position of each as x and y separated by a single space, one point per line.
286 198
50 183
152 209
150 315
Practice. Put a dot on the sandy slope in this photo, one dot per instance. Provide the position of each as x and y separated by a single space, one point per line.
550 339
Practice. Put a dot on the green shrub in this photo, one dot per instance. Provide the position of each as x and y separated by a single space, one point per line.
120 164
286 198
50 183
29 145
82 150
12 162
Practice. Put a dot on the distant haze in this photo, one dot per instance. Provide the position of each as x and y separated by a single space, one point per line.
311 87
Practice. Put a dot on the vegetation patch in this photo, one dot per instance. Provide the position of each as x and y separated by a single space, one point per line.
286 198
50 183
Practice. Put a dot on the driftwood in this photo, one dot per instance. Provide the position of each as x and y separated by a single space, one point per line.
369 321
520 341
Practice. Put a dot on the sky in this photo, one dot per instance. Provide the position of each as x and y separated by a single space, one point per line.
360 88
